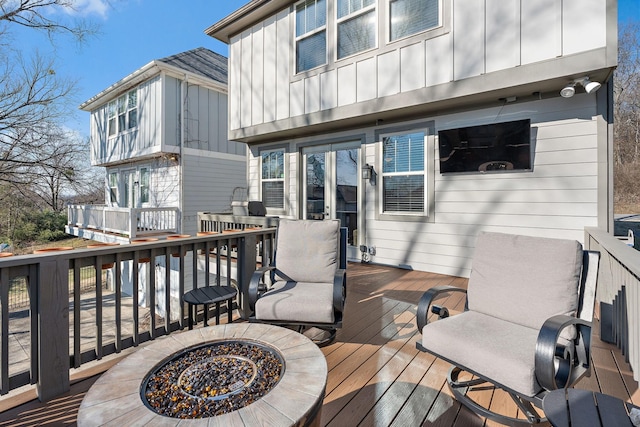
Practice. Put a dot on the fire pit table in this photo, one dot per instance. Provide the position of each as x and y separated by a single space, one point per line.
233 374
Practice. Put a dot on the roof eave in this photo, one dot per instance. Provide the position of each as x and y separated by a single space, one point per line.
245 17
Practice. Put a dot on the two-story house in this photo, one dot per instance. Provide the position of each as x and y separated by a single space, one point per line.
420 123
161 134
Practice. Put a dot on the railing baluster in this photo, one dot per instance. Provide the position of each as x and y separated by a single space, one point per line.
4 314
136 300
118 306
77 304
151 280
167 290
32 286
98 319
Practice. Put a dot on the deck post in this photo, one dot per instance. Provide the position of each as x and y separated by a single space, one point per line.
246 267
53 327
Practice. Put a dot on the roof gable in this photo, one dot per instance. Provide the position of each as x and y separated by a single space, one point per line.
200 61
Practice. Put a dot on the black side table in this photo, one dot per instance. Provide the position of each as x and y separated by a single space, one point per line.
585 409
209 295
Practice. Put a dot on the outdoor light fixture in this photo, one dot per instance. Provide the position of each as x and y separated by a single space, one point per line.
367 172
569 90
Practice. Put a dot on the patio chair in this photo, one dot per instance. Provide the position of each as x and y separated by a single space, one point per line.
306 284
526 326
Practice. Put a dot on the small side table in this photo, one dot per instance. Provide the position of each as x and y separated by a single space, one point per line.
209 295
585 409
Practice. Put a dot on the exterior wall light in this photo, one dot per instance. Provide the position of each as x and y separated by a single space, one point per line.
367 172
569 90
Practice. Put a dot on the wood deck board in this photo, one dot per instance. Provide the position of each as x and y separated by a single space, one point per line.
376 375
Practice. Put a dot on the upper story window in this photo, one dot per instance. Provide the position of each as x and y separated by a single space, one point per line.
356 26
403 173
311 34
409 17
273 179
123 113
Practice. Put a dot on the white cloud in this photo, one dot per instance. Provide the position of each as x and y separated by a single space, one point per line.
91 7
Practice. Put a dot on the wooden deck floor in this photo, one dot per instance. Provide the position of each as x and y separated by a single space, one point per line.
376 375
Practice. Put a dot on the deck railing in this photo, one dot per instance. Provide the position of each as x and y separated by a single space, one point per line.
618 293
63 330
128 222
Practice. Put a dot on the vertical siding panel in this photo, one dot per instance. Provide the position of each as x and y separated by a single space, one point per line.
213 120
502 34
191 113
468 38
270 70
439 60
365 71
412 67
541 30
234 82
245 83
223 133
578 15
203 117
312 94
284 51
328 90
388 73
297 98
347 85
257 75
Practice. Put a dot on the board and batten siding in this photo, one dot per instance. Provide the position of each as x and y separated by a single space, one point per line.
209 181
137 141
484 36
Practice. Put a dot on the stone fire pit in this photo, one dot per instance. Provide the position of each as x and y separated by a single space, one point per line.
235 374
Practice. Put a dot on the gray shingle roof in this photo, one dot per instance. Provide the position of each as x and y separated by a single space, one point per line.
200 61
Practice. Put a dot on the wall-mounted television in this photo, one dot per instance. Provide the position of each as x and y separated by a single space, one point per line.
495 147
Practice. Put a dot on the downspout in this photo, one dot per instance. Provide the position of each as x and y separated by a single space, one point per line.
184 86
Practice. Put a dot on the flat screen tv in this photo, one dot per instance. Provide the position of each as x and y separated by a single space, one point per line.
496 147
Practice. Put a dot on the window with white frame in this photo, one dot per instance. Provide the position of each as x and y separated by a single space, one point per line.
311 34
403 173
122 113
273 179
407 17
357 26
144 185
113 187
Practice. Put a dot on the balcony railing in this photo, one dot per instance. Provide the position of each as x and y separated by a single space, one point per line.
68 324
618 293
126 222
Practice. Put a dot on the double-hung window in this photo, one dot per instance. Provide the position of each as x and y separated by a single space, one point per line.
311 34
144 185
273 179
356 26
113 187
408 17
403 173
122 114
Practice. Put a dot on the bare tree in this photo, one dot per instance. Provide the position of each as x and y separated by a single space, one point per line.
32 95
627 120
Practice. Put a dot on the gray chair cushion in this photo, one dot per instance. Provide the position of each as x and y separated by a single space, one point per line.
524 279
501 351
307 251
297 301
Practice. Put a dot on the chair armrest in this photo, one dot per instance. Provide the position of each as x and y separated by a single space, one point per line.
257 286
426 301
339 289
558 365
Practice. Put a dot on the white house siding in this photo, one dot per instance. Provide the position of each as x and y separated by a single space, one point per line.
133 143
479 37
557 199
209 180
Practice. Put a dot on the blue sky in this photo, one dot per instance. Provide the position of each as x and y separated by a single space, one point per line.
135 32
